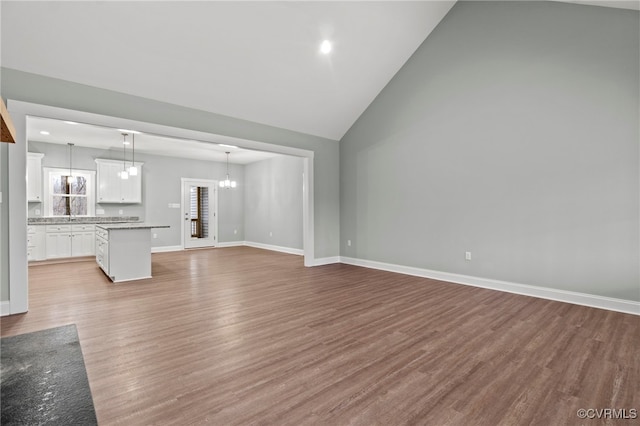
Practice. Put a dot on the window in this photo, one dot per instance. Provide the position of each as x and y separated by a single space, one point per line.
66 196
199 211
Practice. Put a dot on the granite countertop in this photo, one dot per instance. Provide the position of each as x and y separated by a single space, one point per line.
130 225
81 220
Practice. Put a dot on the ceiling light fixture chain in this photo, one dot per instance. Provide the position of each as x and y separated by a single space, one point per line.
124 174
69 189
133 170
70 159
228 183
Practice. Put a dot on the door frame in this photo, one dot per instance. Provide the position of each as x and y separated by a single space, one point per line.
17 170
183 208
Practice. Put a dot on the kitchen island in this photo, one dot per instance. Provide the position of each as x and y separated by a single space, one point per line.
123 250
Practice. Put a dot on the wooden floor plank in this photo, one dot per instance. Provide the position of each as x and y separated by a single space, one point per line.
248 336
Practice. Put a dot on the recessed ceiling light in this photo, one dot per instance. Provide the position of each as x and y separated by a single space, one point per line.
44 132
135 132
227 146
325 47
71 122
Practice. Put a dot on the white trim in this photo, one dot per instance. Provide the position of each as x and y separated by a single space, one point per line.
325 261
48 189
5 308
17 198
184 209
289 250
308 238
17 173
231 244
129 279
163 249
602 302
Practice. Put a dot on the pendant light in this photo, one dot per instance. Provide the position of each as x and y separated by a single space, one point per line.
124 174
70 177
133 170
227 183
69 189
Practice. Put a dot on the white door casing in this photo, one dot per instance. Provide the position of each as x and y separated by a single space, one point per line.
199 213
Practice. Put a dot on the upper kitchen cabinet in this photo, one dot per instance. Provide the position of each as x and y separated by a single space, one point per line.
112 188
34 177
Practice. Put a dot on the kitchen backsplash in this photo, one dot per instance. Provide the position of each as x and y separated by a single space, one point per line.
84 219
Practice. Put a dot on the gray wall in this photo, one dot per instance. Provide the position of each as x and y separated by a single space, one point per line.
27 87
273 201
513 133
161 185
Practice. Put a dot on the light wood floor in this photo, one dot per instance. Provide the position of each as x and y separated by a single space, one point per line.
247 336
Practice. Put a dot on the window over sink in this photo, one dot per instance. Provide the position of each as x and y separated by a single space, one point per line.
69 195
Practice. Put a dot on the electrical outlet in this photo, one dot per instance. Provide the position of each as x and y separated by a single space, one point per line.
271 234
467 255
37 212
120 211
349 243
235 231
155 235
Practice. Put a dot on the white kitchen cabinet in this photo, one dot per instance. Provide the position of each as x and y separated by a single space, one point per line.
58 241
34 177
69 240
83 240
112 189
124 254
102 249
123 251
108 187
36 242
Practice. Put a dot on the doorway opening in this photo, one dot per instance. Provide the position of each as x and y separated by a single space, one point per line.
16 171
200 213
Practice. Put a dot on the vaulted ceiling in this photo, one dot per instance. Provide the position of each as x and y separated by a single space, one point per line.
258 61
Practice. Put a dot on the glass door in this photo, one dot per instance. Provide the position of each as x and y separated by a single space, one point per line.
199 210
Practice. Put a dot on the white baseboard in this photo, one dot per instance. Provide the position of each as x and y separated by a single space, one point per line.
5 308
325 261
602 302
288 250
163 249
234 244
231 244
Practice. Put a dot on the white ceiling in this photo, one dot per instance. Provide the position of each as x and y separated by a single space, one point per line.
91 136
258 61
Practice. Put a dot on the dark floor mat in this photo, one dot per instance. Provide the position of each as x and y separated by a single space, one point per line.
43 379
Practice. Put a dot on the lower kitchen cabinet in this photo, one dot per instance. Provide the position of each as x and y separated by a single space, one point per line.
58 241
102 249
36 242
123 251
83 240
69 241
